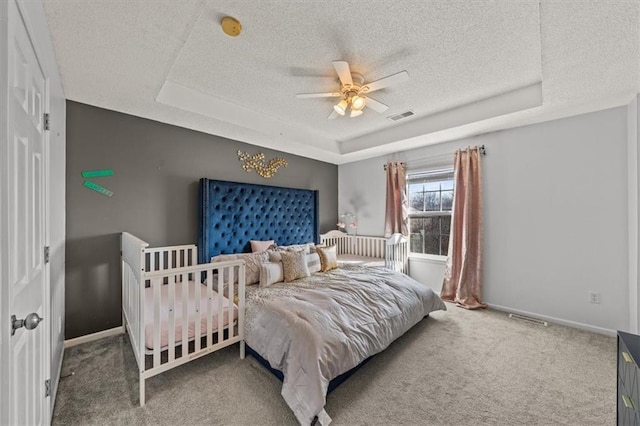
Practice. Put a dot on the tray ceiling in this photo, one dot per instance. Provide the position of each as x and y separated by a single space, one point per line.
473 66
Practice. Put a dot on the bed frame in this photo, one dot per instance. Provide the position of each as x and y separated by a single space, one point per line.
144 267
393 250
231 214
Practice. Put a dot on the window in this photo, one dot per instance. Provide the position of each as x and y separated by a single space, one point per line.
430 204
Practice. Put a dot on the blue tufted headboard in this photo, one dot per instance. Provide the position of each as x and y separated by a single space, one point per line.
232 214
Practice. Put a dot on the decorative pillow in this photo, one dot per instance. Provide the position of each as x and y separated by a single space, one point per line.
294 265
271 273
306 248
252 264
312 248
275 256
313 263
328 258
257 246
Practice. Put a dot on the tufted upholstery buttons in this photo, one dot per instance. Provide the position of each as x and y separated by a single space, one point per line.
232 214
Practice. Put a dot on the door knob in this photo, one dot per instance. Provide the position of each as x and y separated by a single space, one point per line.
30 322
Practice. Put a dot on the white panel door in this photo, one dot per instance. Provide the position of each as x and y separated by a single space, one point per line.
27 275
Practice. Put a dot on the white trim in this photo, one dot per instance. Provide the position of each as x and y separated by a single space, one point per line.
572 324
54 385
5 400
427 258
632 221
94 336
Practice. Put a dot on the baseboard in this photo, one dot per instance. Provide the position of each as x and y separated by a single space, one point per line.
94 336
554 320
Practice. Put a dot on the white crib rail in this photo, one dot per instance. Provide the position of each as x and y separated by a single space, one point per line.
338 239
369 246
132 253
396 255
164 269
393 250
161 258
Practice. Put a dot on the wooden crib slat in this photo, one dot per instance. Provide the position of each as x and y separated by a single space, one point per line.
156 284
197 325
221 273
209 307
172 317
230 302
241 295
185 315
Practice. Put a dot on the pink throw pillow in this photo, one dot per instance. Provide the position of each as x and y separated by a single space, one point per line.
257 246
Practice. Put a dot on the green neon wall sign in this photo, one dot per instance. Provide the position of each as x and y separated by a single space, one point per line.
97 173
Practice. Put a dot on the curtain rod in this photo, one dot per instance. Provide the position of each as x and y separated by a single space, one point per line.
481 149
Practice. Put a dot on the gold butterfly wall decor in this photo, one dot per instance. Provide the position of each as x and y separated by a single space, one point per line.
256 162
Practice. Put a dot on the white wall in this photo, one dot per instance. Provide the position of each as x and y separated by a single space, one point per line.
556 209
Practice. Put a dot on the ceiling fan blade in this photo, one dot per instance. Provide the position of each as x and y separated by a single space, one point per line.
318 95
386 81
375 105
333 115
344 72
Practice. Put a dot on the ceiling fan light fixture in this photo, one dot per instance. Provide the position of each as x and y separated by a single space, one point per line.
341 107
357 103
355 112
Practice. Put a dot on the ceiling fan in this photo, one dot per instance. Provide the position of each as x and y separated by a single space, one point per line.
354 91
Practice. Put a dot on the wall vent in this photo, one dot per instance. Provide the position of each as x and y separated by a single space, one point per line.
528 319
400 116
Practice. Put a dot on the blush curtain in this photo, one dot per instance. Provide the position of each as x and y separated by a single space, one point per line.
463 272
396 213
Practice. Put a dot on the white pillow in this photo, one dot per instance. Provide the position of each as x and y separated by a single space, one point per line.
313 263
257 246
271 273
306 248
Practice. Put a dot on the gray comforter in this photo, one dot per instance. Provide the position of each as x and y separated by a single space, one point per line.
317 328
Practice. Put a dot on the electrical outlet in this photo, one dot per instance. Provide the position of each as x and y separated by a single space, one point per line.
594 297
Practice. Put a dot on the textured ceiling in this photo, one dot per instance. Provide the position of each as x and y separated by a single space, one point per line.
123 55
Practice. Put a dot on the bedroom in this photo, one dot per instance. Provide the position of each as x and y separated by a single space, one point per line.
548 242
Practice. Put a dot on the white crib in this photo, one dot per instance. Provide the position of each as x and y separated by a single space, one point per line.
394 250
164 289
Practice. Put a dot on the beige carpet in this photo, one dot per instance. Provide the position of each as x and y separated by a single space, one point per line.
455 368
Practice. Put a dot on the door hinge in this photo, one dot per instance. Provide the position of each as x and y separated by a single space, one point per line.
47 388
47 121
46 254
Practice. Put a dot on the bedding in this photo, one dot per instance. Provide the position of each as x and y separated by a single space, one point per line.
252 264
316 328
344 259
164 313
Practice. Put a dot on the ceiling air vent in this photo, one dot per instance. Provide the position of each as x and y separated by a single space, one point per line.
401 116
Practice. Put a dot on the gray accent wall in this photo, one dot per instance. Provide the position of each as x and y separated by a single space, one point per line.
155 183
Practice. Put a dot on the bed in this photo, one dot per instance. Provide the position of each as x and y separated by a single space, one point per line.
164 289
312 331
